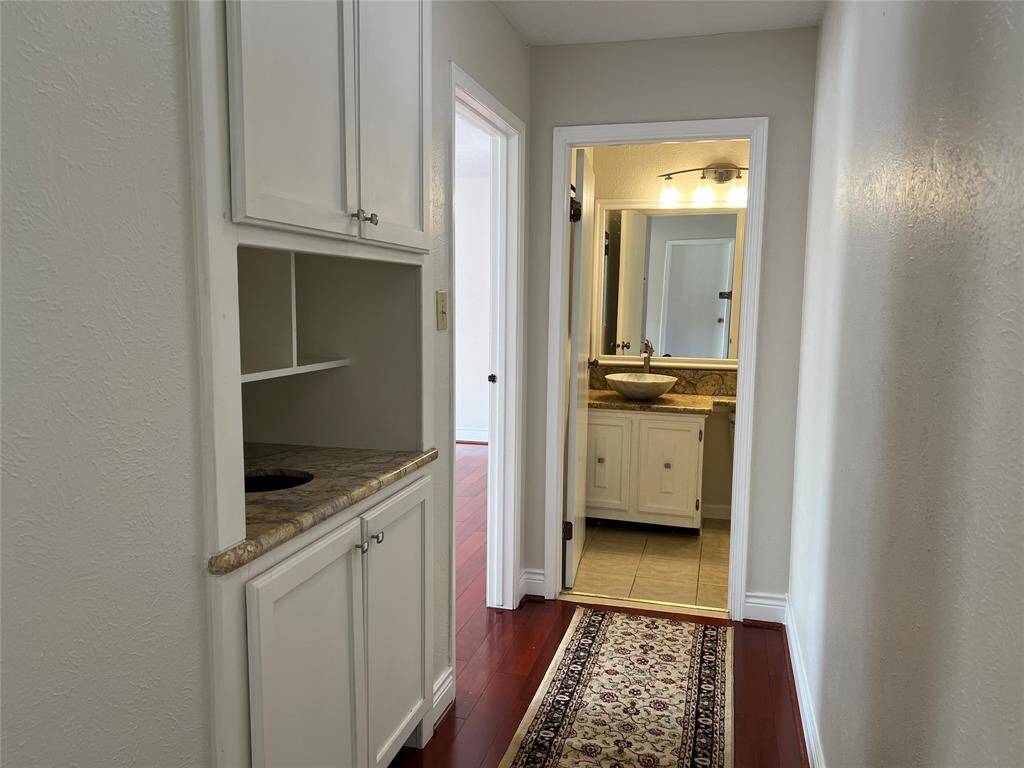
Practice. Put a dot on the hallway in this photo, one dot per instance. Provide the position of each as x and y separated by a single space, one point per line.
501 658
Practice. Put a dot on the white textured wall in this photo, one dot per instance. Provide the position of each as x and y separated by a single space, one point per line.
907 569
104 610
479 39
751 74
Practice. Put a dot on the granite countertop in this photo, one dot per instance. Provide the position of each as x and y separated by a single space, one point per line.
341 477
607 400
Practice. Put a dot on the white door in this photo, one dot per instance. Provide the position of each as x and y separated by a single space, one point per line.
579 369
695 320
398 618
307 657
292 114
394 134
632 273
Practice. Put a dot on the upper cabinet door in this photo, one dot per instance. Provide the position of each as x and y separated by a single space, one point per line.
292 103
394 132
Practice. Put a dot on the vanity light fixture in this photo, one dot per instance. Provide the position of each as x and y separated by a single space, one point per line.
669 191
715 173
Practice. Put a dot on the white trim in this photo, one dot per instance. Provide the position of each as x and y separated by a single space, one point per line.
444 695
808 718
765 606
531 581
504 487
755 129
468 435
715 511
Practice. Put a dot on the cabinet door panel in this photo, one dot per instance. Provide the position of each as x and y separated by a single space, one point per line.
307 657
669 466
291 88
393 128
609 450
398 590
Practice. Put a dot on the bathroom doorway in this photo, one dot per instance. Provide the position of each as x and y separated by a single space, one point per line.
654 275
486 332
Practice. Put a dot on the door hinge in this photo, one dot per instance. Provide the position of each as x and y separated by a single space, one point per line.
700 435
567 530
698 505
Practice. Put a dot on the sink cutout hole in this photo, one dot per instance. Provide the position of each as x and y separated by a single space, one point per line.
264 480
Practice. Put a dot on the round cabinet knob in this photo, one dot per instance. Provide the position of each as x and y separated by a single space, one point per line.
362 215
600 459
668 465
378 537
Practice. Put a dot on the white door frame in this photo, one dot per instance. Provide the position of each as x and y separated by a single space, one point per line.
504 487
567 138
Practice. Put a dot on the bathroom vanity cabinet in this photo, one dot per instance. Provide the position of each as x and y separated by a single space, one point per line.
332 138
645 467
339 638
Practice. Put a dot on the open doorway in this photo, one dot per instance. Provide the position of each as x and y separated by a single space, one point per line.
487 285
654 276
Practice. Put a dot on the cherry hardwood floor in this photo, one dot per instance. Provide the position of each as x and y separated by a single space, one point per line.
501 658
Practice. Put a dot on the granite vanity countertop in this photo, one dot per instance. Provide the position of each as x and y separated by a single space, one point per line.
341 477
607 400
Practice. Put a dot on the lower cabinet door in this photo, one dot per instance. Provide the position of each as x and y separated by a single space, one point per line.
668 481
307 656
609 455
398 595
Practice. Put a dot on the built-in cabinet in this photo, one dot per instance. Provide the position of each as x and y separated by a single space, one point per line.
328 117
645 467
340 641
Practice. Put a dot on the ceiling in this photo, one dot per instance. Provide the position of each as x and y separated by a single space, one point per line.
561 22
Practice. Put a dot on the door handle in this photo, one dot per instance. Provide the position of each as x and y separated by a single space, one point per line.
492 377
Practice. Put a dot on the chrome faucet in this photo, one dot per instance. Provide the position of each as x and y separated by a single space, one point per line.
648 350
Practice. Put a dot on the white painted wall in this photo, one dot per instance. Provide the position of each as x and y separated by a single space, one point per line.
479 39
474 156
760 73
906 575
104 623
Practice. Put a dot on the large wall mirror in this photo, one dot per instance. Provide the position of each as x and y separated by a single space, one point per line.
670 275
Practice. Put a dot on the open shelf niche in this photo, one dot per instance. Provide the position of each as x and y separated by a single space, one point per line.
271 346
330 350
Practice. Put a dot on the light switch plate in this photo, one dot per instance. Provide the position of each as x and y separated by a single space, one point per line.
442 310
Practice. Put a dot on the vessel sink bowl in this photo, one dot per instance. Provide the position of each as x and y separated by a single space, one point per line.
640 386
263 480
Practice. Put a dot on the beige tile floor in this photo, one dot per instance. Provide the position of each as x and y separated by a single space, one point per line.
664 564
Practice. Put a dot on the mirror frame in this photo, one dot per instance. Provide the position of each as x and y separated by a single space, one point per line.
656 208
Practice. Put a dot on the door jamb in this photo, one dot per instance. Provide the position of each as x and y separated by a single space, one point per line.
504 493
567 138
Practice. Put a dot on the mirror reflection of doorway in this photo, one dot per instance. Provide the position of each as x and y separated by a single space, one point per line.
696 298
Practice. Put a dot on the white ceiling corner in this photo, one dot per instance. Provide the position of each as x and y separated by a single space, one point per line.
564 22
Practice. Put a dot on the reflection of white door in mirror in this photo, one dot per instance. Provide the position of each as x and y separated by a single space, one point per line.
695 315
632 268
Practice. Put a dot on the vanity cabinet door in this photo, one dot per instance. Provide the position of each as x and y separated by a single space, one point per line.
670 460
292 112
398 591
394 132
307 657
609 453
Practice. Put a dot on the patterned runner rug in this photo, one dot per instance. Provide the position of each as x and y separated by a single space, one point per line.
626 690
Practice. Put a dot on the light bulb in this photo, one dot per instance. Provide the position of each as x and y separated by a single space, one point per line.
738 194
669 192
704 194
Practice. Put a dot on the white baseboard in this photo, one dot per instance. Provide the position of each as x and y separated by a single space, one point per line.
812 736
765 606
531 581
716 511
444 694
471 435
